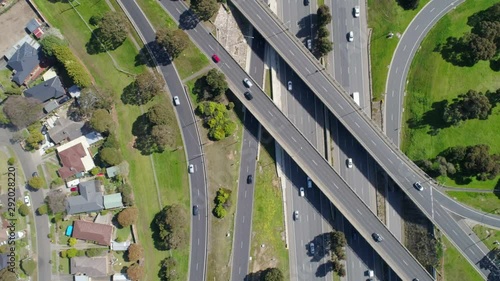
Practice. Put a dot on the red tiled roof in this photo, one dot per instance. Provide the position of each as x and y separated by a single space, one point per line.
71 160
89 231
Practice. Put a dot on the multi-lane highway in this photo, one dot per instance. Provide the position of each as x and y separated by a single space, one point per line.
191 139
306 156
401 61
397 165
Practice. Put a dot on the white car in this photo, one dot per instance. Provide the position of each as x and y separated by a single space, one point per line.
27 200
418 186
177 101
296 215
301 192
289 85
356 11
349 163
350 36
309 44
191 169
248 83
309 182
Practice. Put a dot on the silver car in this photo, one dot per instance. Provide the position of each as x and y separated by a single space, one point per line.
248 83
350 36
177 101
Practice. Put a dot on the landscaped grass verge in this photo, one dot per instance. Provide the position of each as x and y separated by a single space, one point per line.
486 202
268 86
190 60
433 80
267 219
490 237
385 16
455 266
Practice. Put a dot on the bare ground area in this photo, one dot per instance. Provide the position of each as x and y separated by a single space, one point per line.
13 23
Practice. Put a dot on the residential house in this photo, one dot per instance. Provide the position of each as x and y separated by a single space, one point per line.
120 246
50 106
24 62
35 26
120 277
49 74
74 91
75 157
112 201
90 231
89 200
50 89
93 267
66 130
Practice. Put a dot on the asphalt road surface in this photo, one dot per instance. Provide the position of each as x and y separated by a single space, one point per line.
401 62
249 150
397 165
191 139
306 156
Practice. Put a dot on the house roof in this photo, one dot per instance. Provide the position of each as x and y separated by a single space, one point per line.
75 157
120 277
120 246
74 91
93 267
113 201
24 60
89 200
89 231
81 278
112 171
50 89
38 32
3 261
49 74
33 24
93 137
51 105
65 129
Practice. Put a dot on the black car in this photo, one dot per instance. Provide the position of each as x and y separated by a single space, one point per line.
306 2
195 210
248 96
35 174
63 100
249 179
377 237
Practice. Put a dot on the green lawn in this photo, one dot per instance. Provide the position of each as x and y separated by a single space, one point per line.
268 86
268 221
3 176
455 265
433 80
170 166
487 235
192 59
385 16
486 202
41 174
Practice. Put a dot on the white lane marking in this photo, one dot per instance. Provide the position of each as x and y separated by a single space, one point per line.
432 10
390 161
359 211
357 124
241 245
245 197
227 65
307 69
348 70
195 30
392 93
336 186
404 47
258 16
291 52
178 11
373 142
270 113
211 48
470 249
397 68
325 89
454 232
392 117
198 241
293 139
417 27
405 262
340 106
315 163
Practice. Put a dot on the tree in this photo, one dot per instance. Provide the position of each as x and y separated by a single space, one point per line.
324 15
135 252
94 171
489 30
22 111
174 41
217 119
110 156
72 241
162 136
472 105
7 275
28 266
42 210
34 140
171 222
102 121
36 182
72 65
160 114
11 161
112 30
273 274
71 253
168 270
147 86
49 42
128 216
409 4
422 245
127 195
55 200
216 82
323 32
93 98
480 48
135 272
205 9
324 46
24 210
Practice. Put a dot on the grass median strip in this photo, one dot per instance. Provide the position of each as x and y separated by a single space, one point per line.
486 202
455 267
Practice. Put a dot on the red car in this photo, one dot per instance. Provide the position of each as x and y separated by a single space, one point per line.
216 58
74 189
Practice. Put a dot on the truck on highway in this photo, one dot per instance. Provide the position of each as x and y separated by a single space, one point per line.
355 97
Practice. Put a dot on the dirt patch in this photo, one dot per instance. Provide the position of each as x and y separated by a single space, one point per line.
13 23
